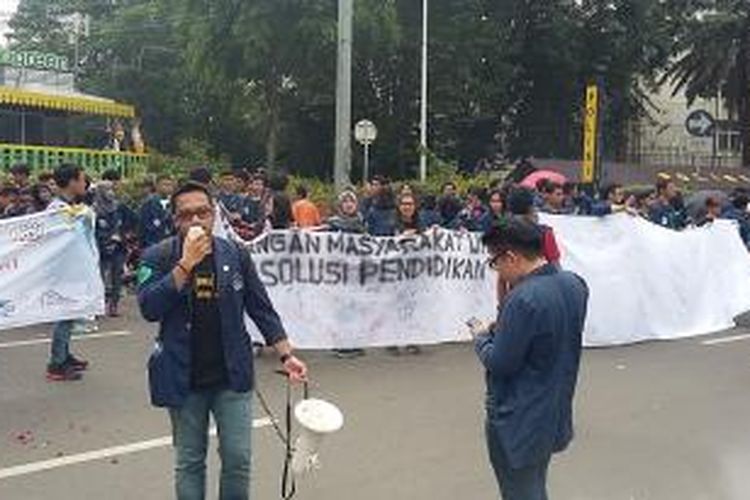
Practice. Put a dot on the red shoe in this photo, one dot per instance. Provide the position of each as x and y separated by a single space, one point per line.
78 365
62 373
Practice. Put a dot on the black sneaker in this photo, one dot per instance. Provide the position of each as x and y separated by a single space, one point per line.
79 365
62 373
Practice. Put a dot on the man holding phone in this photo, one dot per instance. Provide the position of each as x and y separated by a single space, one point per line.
198 287
531 355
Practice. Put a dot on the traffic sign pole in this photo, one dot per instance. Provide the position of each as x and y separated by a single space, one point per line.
365 132
366 171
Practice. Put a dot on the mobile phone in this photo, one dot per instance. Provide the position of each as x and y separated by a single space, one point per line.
476 326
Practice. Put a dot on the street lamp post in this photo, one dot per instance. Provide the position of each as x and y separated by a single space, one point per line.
343 150
423 100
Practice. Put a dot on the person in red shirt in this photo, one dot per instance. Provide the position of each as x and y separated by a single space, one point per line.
521 204
304 211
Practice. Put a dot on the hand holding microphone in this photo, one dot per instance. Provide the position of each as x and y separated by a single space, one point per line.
195 248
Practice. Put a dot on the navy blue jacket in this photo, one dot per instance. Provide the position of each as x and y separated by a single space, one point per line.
155 223
110 232
489 218
531 360
240 291
381 221
232 202
666 215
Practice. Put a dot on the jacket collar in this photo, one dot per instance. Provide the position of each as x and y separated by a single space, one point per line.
545 270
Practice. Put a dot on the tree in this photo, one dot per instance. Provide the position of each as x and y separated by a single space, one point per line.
39 25
713 54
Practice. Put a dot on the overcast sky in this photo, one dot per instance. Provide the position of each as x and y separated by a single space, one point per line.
7 8
8 5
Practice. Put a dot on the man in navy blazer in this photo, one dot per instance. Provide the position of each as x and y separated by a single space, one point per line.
531 355
198 288
154 218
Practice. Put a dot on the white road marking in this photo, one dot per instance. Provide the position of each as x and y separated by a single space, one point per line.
726 340
75 337
114 451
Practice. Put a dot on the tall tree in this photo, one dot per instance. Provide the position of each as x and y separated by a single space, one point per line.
712 55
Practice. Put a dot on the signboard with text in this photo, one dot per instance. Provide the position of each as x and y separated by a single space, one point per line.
33 59
590 134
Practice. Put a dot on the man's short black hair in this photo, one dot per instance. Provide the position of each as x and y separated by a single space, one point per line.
202 175
542 185
740 201
112 175
241 174
163 177
477 191
189 187
521 201
609 189
516 234
279 181
662 184
446 184
301 191
66 173
550 187
20 168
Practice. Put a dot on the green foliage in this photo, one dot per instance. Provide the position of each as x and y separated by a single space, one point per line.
714 56
254 81
191 153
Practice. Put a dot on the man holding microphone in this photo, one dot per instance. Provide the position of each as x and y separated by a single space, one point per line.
531 356
198 287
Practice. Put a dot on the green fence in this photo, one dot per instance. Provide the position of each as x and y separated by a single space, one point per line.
47 158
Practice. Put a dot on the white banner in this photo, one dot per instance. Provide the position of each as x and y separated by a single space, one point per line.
350 290
646 282
49 268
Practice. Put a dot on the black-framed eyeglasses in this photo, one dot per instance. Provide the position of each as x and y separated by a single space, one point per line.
203 213
492 260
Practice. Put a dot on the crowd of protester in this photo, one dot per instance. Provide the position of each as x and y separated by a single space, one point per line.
255 202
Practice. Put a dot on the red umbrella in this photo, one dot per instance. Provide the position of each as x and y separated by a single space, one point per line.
534 177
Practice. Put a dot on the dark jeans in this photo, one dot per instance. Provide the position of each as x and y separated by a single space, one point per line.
527 483
233 416
112 268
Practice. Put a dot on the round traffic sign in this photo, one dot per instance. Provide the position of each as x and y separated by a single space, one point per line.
365 132
700 123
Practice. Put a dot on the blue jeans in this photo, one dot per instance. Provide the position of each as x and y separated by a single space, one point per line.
61 342
232 412
526 483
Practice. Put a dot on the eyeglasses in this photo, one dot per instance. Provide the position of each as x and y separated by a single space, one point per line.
202 213
493 260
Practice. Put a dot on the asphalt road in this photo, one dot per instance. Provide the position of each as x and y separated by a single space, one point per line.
656 421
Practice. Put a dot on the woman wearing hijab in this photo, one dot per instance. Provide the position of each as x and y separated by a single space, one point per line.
347 220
